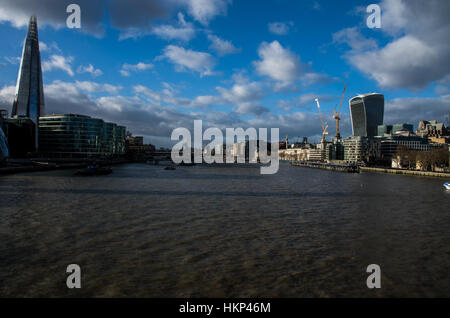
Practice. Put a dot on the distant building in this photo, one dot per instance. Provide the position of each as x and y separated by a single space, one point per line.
367 113
4 151
317 154
362 149
80 136
335 150
136 150
432 129
242 149
29 98
390 144
393 129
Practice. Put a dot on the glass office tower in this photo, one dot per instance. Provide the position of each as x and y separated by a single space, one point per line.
72 135
29 98
367 113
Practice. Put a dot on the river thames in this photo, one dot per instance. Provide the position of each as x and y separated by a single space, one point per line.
224 231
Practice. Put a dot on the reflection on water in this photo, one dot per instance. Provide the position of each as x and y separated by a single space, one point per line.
223 232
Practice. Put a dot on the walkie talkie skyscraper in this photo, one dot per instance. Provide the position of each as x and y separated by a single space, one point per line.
29 99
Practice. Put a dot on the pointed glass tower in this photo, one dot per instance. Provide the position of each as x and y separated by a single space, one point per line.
29 99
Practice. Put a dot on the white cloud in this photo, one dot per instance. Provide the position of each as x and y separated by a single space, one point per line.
222 47
89 69
13 60
354 39
245 96
200 62
205 10
7 94
58 62
92 87
278 63
280 28
139 67
417 55
285 67
184 32
415 109
53 47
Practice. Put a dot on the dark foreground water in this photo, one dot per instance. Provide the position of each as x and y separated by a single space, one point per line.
223 232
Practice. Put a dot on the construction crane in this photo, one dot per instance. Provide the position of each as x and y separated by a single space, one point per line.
337 115
321 120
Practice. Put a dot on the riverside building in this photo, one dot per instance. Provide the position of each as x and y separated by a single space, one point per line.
72 136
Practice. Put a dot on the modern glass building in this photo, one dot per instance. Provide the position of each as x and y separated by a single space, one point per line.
29 98
392 129
389 145
367 113
80 136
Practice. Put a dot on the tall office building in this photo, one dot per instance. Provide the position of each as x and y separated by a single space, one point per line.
29 99
367 113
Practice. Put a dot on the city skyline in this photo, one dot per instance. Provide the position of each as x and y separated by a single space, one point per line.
158 75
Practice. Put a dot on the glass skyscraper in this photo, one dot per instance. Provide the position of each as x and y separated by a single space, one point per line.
367 113
29 98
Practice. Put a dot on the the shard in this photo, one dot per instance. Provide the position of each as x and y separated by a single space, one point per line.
29 99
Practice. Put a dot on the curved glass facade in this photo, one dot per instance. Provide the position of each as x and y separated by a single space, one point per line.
367 113
78 135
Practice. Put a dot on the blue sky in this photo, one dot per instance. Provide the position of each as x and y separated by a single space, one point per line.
157 65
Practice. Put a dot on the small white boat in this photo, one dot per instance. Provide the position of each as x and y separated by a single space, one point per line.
447 185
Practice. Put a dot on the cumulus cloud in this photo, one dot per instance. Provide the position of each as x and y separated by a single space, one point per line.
93 87
278 63
354 39
58 62
53 47
7 94
280 28
184 31
222 47
186 59
246 97
205 10
417 55
415 109
89 69
139 67
284 66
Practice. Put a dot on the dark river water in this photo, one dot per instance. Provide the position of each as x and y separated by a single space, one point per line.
223 232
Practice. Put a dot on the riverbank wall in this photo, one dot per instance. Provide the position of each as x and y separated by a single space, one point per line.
48 166
407 172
